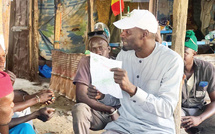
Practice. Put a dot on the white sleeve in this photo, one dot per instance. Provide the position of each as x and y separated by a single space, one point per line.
164 102
110 100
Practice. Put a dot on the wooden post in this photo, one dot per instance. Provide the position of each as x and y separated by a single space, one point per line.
90 6
30 32
5 7
1 24
35 51
90 14
6 22
180 8
153 7
57 24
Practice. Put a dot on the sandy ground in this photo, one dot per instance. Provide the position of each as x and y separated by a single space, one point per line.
61 122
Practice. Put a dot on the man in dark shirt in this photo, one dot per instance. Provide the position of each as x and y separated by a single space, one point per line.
197 116
92 113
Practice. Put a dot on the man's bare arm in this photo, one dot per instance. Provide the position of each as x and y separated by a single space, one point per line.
81 96
192 121
210 110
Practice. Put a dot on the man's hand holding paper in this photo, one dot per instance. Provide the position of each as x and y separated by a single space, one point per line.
93 93
102 77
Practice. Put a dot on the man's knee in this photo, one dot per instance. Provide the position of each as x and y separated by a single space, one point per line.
80 111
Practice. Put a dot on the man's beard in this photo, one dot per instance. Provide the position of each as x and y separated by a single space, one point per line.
124 49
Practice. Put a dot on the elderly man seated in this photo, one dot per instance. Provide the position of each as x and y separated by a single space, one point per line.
91 113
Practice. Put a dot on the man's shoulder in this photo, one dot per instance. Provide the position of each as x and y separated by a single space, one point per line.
168 53
83 71
85 59
203 64
200 61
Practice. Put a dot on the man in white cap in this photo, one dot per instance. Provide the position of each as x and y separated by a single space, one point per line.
150 79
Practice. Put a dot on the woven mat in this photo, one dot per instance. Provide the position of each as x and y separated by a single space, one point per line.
64 68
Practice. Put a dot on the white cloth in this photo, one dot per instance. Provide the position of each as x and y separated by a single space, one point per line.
157 78
190 83
25 112
109 100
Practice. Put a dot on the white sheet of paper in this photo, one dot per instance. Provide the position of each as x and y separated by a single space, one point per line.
102 77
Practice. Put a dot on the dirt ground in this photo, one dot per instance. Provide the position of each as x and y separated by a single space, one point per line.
61 122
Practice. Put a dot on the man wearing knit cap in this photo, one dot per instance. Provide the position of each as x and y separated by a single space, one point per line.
150 79
6 102
92 112
6 108
197 115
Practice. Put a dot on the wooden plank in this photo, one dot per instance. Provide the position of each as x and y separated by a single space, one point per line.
57 25
153 7
10 55
30 32
90 8
90 4
5 6
6 21
1 23
35 57
180 8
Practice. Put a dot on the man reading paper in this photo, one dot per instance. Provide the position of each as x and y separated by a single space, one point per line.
150 79
91 113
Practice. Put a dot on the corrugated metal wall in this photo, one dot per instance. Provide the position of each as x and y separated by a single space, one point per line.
19 51
18 55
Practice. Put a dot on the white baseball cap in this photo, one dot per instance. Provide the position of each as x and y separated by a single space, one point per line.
142 19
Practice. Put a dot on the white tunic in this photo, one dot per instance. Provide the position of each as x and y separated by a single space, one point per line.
25 112
158 78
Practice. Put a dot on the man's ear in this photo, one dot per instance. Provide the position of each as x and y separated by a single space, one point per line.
109 49
145 33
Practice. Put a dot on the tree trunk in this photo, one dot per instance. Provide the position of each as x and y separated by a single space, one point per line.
180 8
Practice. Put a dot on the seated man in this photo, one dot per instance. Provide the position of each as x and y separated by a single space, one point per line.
91 113
197 115
6 102
150 79
23 101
